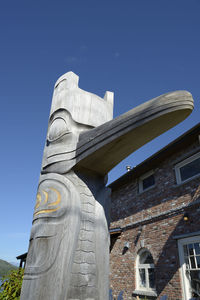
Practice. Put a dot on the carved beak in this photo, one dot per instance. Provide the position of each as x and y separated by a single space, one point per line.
103 147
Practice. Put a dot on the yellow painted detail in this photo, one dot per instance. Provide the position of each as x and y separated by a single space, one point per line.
45 211
46 197
58 198
38 200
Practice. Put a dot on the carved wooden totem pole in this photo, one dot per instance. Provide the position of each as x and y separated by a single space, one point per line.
68 255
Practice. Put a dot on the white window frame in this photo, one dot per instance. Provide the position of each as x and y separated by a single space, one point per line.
184 280
183 163
144 176
146 267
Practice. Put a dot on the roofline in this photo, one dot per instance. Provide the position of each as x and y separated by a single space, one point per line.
116 230
24 255
154 159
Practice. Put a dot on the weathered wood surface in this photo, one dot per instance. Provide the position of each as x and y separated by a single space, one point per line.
111 142
68 257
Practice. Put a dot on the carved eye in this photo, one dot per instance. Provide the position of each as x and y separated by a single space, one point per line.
57 129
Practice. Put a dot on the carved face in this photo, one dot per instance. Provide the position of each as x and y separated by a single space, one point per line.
62 138
56 214
73 110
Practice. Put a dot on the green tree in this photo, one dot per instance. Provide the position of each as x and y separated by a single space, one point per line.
10 287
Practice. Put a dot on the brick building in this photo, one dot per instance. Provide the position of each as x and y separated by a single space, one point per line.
155 224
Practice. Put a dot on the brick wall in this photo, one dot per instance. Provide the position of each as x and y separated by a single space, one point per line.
151 220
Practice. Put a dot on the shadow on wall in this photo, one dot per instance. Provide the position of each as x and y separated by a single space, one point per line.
168 262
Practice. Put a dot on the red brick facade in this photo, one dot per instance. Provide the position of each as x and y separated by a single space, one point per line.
153 219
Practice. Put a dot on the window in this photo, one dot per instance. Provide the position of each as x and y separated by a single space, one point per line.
146 181
189 253
145 272
188 168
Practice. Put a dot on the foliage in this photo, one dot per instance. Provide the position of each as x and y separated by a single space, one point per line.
10 288
5 267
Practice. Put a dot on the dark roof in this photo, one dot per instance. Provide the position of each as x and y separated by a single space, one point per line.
22 256
182 141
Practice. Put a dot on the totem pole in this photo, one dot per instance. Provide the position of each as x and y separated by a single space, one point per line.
68 257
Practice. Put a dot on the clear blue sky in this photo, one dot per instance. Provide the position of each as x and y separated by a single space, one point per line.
138 49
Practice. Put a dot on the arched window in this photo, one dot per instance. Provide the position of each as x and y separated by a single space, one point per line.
145 271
